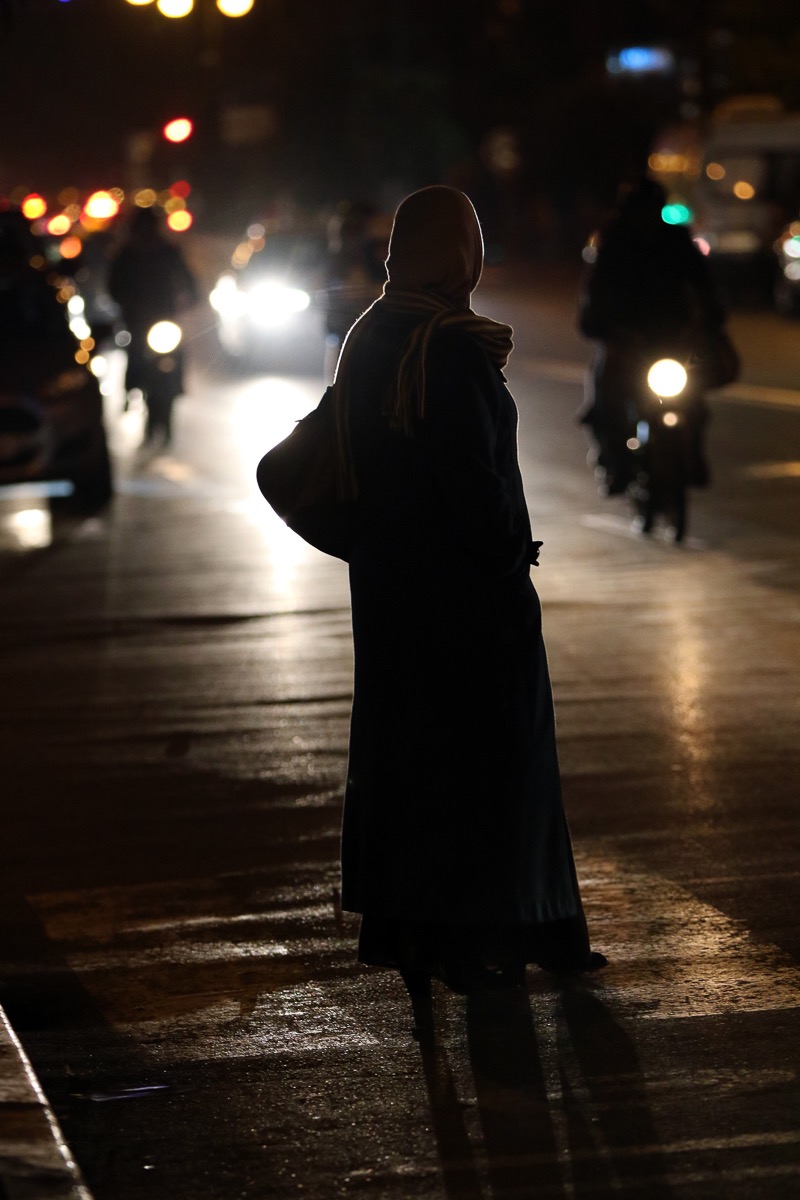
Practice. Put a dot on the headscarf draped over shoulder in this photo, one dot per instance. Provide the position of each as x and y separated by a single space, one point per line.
434 264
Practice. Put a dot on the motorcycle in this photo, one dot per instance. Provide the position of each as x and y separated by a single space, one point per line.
647 417
666 447
155 368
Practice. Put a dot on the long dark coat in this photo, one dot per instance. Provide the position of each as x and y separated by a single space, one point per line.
453 808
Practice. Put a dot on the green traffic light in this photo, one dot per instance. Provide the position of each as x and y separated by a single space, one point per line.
676 214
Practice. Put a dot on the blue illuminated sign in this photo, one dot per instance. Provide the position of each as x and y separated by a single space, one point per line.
641 60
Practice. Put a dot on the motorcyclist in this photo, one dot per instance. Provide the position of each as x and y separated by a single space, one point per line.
150 281
649 293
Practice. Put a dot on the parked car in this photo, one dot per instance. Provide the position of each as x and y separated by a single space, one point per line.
51 411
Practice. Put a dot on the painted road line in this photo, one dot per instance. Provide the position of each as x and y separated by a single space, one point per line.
752 393
564 371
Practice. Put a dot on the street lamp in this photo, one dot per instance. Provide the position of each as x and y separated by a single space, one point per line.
235 8
101 206
182 8
175 8
34 206
178 130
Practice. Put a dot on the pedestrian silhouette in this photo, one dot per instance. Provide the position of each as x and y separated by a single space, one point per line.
455 847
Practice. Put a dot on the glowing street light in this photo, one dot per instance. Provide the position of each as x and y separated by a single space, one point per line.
34 206
101 206
235 8
182 8
180 220
175 8
59 225
178 130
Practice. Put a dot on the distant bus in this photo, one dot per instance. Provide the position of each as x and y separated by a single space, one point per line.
740 178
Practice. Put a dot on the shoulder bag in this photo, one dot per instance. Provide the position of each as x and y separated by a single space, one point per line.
299 478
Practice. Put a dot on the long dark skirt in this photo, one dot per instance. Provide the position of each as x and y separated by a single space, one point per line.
455 846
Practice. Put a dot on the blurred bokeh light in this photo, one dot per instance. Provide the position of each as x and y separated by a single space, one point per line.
175 8
178 130
101 206
235 8
179 221
34 206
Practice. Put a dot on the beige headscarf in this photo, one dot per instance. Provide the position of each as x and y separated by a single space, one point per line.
434 264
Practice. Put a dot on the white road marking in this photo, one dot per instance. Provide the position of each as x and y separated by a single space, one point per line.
773 470
751 393
564 371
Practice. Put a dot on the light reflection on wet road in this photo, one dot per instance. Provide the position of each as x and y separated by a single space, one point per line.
176 695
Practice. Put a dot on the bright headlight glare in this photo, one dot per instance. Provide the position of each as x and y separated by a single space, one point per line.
164 337
80 328
226 298
273 303
667 378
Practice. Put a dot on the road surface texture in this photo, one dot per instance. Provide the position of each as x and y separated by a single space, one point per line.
177 683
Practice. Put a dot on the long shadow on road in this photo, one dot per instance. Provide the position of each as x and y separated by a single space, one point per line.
593 1137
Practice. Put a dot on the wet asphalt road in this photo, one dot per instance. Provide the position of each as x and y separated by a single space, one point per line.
177 681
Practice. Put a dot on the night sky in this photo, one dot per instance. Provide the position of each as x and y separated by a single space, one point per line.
374 96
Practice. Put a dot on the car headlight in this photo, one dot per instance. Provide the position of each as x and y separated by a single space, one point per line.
271 304
667 378
226 299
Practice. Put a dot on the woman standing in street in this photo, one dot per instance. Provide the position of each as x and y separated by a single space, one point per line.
455 847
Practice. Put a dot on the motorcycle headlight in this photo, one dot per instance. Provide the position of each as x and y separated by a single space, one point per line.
164 337
274 303
667 378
